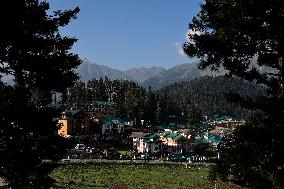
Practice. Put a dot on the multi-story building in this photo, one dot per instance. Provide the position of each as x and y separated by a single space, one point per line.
175 143
74 123
96 108
86 118
137 140
111 127
150 144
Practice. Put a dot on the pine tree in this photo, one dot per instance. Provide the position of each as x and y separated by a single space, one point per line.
245 37
39 58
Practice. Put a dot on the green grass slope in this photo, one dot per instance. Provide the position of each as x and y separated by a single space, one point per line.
118 176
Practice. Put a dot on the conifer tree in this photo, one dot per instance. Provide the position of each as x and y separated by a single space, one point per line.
38 56
246 37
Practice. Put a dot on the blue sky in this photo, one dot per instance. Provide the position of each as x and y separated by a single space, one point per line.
123 34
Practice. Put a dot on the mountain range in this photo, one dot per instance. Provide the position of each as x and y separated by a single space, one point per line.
178 73
88 71
156 77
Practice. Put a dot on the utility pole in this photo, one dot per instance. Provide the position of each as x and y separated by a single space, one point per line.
281 75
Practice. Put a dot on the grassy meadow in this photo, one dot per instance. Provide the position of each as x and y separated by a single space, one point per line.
120 176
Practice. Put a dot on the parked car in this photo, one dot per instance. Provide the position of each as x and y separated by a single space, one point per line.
144 156
80 147
177 158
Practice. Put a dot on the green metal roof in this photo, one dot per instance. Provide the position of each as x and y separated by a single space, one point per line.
160 127
70 113
53 105
151 138
172 135
214 138
125 119
201 141
173 127
202 125
103 103
107 120
180 138
220 118
83 102
147 141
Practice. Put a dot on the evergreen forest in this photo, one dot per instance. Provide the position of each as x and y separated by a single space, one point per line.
186 101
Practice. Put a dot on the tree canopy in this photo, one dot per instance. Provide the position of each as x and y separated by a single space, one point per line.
32 48
231 33
246 38
38 56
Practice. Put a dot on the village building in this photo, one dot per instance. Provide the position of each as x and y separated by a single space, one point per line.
83 118
74 123
96 108
112 127
137 141
150 144
213 140
128 122
175 142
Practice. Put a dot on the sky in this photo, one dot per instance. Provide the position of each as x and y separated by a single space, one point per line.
124 34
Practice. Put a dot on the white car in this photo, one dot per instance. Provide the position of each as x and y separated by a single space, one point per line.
80 147
144 156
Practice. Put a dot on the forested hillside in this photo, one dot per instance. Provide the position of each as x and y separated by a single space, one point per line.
179 73
206 95
187 101
128 95
182 72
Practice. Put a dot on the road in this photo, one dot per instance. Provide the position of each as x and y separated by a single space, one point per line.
71 161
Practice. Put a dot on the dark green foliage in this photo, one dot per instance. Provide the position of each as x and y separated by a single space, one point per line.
207 96
26 138
181 102
182 72
253 154
31 45
131 99
230 34
151 113
34 52
128 95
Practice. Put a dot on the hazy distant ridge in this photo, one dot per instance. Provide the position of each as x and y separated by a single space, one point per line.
178 73
156 77
142 74
88 71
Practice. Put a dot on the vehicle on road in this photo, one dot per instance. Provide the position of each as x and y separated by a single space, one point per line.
80 147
